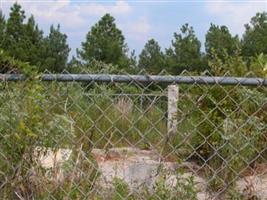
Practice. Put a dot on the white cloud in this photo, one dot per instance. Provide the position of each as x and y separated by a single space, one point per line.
76 18
235 14
141 26
138 30
120 7
67 13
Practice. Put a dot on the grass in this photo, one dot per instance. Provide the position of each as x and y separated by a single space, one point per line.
66 116
79 117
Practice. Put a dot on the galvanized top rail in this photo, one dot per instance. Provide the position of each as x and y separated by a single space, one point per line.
211 80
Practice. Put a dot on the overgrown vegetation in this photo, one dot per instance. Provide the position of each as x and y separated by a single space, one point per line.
23 39
222 129
184 189
59 115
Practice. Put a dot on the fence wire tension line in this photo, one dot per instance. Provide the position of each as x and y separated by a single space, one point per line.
155 137
142 79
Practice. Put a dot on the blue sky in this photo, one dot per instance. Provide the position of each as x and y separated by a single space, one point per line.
140 20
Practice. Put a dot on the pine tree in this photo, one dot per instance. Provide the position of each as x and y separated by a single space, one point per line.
33 39
2 28
255 37
105 42
56 51
184 54
23 41
218 40
151 57
13 42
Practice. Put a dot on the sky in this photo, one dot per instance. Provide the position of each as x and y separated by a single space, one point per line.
139 20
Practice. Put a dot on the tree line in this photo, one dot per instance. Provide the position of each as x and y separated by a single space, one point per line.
22 39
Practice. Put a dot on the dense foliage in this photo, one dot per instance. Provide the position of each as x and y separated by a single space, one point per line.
185 51
22 38
105 42
152 58
25 42
255 37
223 129
219 40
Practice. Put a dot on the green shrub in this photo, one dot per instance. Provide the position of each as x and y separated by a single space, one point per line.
184 189
223 127
11 65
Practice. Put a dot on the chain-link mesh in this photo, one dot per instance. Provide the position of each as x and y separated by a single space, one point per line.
132 140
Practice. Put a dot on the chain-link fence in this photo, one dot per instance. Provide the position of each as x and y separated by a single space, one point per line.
132 137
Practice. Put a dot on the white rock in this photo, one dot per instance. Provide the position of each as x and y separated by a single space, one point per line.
251 186
50 159
139 168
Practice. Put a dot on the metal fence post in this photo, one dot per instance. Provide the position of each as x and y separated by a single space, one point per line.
173 93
